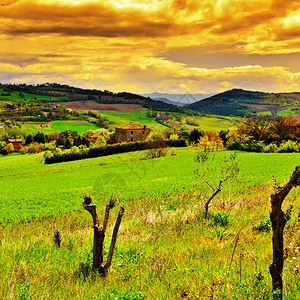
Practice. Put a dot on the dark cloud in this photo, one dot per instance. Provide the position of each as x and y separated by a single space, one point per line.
288 34
202 58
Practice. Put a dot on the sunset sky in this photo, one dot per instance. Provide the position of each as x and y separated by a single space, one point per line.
142 46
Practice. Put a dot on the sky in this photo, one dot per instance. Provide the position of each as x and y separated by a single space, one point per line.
170 46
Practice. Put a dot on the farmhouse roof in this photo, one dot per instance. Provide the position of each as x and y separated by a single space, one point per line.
132 126
15 141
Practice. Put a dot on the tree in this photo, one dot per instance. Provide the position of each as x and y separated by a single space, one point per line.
183 133
99 233
29 139
256 127
283 127
68 143
215 174
9 148
279 220
195 135
39 138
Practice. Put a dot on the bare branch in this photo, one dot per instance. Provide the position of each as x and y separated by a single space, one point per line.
114 238
92 209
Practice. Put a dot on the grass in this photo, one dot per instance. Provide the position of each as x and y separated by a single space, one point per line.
58 187
215 123
135 116
79 126
287 112
165 249
140 117
16 96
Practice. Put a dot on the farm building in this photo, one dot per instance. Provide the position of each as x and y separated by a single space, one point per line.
131 133
17 143
162 116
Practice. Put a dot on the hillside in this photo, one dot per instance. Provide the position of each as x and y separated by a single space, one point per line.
240 102
57 92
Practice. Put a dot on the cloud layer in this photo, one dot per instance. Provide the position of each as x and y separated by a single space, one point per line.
144 46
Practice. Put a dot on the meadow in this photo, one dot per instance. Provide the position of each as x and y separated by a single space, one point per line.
140 116
165 248
135 116
79 126
24 97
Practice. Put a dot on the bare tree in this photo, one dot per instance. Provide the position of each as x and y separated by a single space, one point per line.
278 223
283 127
99 233
256 127
215 174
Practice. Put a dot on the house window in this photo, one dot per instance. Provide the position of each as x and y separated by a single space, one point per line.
132 139
131 132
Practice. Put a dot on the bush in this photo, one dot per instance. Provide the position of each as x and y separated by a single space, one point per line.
263 226
156 153
271 148
126 295
288 147
35 147
59 156
220 219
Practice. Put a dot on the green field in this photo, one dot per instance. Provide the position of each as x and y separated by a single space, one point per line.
16 96
140 117
165 248
30 188
79 126
135 116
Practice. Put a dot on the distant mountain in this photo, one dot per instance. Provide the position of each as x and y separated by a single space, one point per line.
241 102
177 99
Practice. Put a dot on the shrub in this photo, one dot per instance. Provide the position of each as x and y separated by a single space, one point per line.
47 154
220 219
59 156
24 150
35 147
74 150
156 153
271 148
263 226
126 295
288 146
9 148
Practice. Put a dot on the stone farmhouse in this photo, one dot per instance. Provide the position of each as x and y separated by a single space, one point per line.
17 143
131 133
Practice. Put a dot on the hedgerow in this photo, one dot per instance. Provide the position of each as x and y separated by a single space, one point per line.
65 156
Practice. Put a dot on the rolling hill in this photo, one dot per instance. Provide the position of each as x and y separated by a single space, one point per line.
57 92
241 102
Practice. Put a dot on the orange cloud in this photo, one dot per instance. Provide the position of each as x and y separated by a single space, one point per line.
151 45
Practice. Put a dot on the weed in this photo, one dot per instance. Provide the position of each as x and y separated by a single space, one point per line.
263 226
117 294
24 291
219 219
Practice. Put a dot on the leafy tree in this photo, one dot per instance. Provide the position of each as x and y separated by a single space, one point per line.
195 135
29 139
39 138
77 141
256 127
9 148
68 143
183 133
